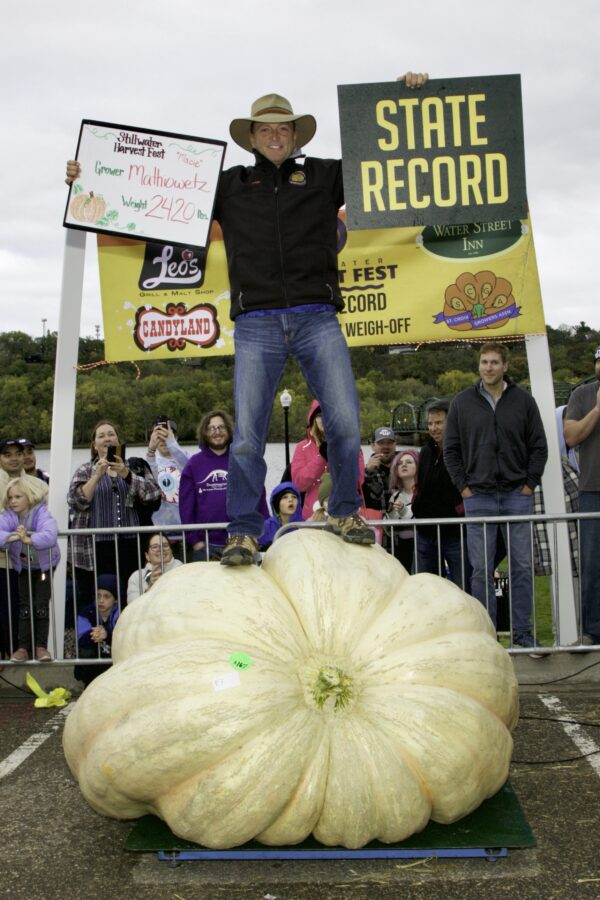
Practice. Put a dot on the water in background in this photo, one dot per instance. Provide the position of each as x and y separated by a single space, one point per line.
274 455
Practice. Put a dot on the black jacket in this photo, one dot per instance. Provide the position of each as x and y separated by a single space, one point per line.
280 231
489 450
376 488
437 497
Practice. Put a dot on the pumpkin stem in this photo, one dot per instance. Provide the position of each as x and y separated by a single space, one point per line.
331 682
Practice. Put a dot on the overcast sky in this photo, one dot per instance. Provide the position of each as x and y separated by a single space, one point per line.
192 67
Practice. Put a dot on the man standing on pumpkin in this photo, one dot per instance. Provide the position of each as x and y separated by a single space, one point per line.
279 223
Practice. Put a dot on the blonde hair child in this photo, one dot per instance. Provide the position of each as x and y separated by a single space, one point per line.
28 531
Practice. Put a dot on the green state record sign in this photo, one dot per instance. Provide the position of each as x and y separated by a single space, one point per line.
449 153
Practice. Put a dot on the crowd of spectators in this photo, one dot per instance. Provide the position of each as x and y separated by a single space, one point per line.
459 469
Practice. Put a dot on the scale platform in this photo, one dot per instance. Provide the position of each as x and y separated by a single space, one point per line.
497 826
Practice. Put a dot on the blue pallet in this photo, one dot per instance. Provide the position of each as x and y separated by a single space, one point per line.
391 852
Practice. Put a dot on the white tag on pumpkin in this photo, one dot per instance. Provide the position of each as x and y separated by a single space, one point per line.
223 682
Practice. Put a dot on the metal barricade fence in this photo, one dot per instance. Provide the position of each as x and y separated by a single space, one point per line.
19 606
554 564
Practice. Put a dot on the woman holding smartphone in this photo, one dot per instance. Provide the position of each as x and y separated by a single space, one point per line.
104 493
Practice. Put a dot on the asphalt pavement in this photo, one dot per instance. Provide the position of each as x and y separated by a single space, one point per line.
54 847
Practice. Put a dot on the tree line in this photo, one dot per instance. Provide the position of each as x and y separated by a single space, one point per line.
132 395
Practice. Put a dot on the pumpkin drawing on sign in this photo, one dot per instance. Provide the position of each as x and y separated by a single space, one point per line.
327 692
88 207
473 297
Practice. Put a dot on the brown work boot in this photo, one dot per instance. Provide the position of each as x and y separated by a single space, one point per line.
351 529
240 550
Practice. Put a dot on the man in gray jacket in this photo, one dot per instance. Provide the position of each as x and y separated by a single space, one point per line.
582 429
495 450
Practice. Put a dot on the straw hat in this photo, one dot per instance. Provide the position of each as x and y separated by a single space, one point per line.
272 108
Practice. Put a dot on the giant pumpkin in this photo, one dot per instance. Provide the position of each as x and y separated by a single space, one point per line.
327 692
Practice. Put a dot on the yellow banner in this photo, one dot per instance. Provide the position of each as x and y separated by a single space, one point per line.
401 286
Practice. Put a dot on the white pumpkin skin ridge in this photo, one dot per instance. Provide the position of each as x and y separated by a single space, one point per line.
372 701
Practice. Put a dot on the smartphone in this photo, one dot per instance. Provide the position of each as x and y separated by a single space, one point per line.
113 452
162 422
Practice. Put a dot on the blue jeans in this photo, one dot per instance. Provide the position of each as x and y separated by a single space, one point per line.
431 557
262 348
215 551
482 551
589 501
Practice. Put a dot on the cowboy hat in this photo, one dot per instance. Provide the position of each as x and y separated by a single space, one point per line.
272 108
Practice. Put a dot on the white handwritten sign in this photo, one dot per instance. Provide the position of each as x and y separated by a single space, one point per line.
151 185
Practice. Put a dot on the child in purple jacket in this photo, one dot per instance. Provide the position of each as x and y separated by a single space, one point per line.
28 531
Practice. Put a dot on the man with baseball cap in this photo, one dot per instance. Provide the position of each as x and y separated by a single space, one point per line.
582 429
11 463
377 469
30 461
11 456
279 223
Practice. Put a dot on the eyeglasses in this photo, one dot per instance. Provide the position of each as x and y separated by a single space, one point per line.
214 428
163 547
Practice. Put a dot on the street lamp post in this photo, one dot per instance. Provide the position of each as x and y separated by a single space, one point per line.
285 398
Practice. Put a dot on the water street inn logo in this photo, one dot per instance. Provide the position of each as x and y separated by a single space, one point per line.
176 326
473 239
480 300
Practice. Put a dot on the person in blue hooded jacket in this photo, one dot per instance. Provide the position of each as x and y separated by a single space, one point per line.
95 626
286 504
